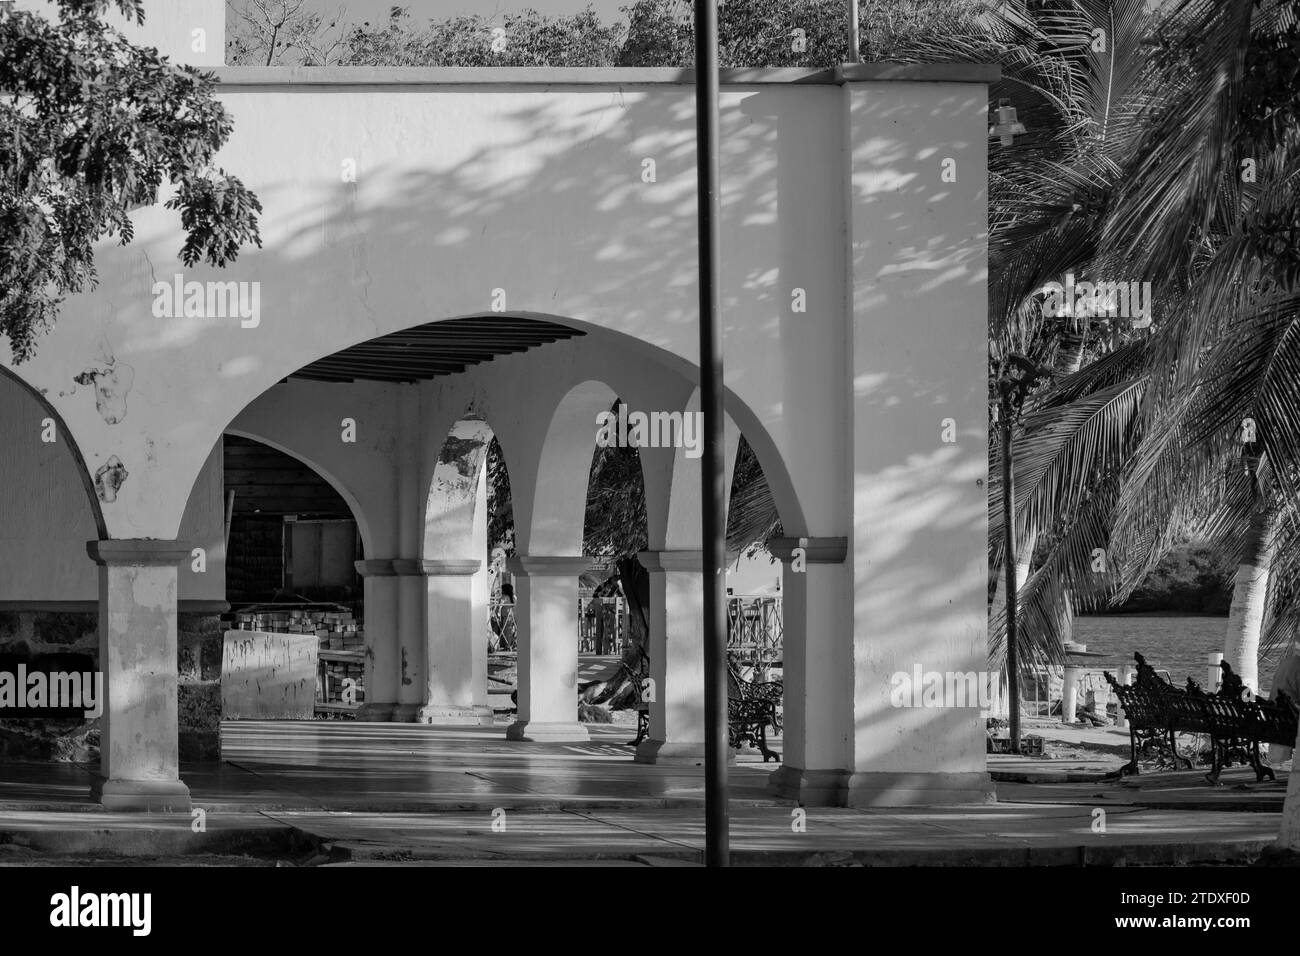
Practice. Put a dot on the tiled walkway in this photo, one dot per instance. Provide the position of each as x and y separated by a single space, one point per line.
378 793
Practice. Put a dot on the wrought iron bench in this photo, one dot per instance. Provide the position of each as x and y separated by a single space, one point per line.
752 707
1235 723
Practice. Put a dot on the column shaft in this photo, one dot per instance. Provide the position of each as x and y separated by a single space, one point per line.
676 658
381 674
546 614
139 765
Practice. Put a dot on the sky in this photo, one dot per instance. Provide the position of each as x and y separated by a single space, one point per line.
436 9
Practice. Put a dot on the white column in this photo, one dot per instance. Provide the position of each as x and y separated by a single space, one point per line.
450 683
817 757
676 658
546 614
381 640
412 616
138 764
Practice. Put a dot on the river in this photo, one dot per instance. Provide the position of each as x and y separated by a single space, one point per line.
1176 643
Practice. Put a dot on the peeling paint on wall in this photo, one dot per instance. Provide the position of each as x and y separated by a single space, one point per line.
110 476
111 385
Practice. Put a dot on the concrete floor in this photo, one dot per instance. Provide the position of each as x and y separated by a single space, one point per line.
347 793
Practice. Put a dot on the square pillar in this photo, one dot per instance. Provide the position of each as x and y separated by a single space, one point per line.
381 668
139 756
676 658
455 687
412 617
918 437
818 672
546 614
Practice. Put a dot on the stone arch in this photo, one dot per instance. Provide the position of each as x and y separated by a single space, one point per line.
358 513
554 520
69 441
452 495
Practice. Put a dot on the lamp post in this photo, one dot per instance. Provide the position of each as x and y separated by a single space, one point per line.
713 475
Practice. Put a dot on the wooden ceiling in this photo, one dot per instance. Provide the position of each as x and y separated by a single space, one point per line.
270 483
439 348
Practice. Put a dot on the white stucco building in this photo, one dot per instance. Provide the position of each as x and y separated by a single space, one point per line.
513 202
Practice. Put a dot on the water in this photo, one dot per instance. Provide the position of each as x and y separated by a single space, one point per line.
1179 644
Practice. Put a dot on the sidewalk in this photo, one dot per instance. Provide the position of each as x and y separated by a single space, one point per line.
344 793
989 835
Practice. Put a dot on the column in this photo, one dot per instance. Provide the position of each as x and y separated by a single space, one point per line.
380 589
676 658
817 755
453 644
138 763
412 611
546 614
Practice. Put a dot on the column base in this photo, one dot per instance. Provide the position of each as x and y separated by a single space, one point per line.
151 796
455 715
843 788
538 731
406 713
810 788
379 713
919 789
676 754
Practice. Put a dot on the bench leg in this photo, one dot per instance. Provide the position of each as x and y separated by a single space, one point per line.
1261 769
1132 766
1216 758
762 745
1175 756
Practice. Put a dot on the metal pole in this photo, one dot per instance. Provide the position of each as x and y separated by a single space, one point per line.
1009 569
713 476
855 54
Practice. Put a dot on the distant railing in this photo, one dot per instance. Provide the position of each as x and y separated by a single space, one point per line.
754 629
602 625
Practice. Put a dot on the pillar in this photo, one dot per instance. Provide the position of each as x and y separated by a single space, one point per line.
1070 692
412 617
138 763
676 658
817 756
546 614
380 590
453 644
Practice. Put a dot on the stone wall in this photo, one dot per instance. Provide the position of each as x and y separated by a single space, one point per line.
69 640
54 640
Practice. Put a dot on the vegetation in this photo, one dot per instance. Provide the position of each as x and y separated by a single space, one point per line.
92 128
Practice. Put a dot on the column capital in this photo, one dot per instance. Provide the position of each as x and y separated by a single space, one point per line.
671 560
375 568
816 550
450 566
545 565
138 551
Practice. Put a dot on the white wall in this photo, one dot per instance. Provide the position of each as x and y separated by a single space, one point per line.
46 518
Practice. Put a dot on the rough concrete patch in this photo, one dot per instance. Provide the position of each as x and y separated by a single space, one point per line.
464 453
110 477
111 386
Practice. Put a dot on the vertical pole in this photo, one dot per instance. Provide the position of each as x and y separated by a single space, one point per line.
1009 566
855 54
713 473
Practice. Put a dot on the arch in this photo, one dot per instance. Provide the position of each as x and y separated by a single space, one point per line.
453 490
555 520
738 411
87 480
358 513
